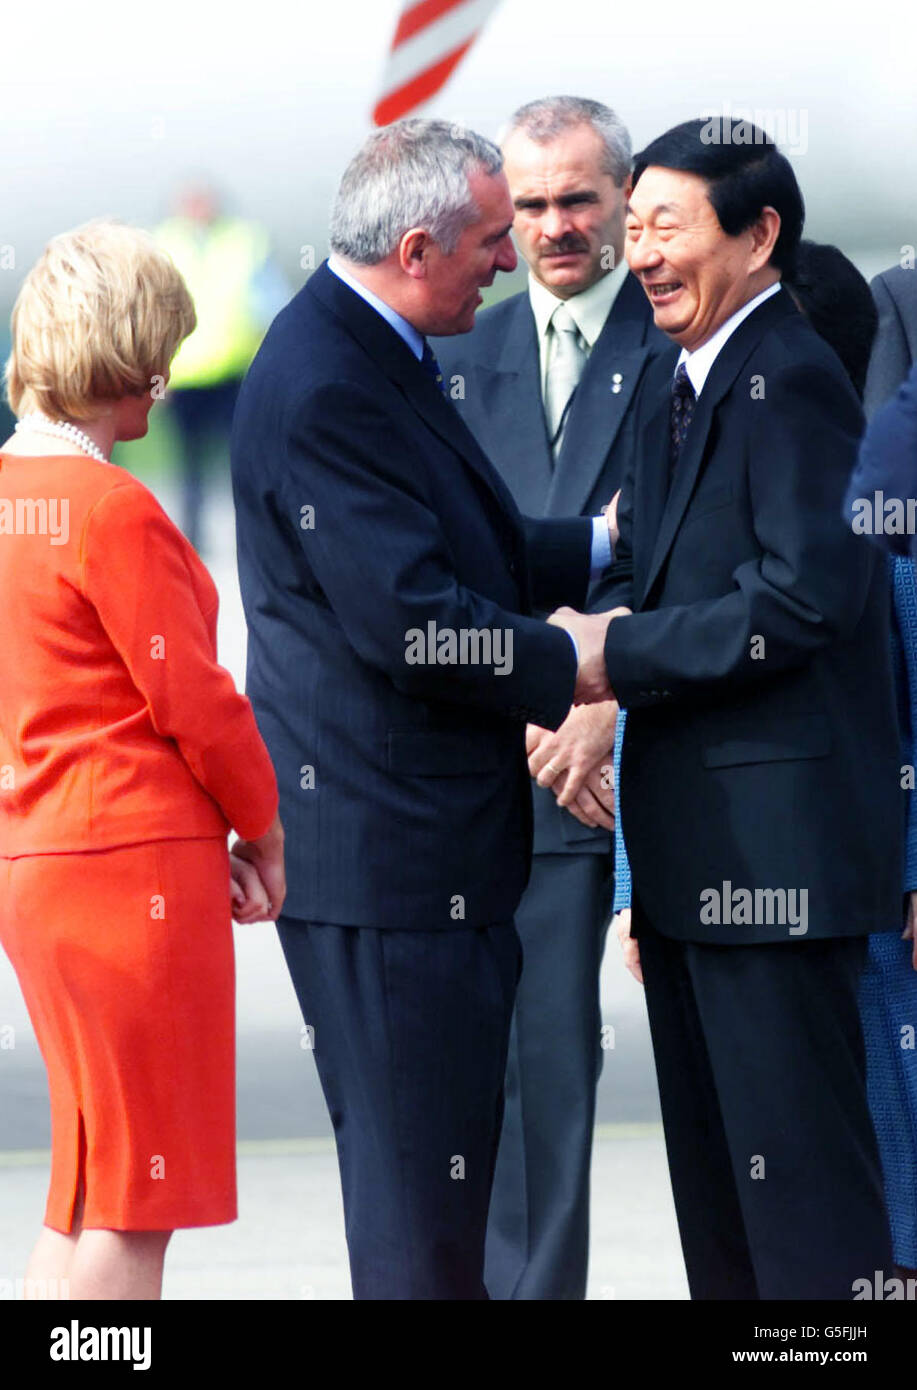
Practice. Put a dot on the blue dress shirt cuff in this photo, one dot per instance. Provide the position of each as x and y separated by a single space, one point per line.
601 546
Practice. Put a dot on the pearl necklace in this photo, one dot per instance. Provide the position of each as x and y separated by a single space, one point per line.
40 424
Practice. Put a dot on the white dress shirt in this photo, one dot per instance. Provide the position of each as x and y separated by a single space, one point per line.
699 362
405 330
589 310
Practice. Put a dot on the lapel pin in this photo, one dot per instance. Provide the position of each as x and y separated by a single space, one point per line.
616 380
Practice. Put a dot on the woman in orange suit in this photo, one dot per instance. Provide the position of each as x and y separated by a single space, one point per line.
126 754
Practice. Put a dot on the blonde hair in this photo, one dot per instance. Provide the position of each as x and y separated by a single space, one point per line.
99 316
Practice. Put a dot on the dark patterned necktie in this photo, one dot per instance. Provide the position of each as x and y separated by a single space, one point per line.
432 367
681 414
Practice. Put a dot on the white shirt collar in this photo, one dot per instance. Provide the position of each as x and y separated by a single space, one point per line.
589 309
699 362
405 330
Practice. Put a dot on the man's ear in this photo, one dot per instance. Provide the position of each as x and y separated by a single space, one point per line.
413 252
764 236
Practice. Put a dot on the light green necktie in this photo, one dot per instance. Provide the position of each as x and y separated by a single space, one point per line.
565 367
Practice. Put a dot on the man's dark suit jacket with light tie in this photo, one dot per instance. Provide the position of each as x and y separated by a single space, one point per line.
538 1227
761 752
403 787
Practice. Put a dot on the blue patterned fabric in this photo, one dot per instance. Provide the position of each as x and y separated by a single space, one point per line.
904 651
622 865
888 1008
888 990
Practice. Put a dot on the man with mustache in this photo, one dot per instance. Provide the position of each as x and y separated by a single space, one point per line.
549 379
760 796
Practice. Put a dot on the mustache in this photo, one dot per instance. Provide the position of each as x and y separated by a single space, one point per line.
564 246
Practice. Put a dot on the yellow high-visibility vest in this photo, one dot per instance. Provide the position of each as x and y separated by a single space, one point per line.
217 263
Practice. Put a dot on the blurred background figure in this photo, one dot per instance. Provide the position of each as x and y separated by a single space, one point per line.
895 350
7 418
887 465
237 289
835 298
888 991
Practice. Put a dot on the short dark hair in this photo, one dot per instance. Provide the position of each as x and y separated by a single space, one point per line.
838 303
745 175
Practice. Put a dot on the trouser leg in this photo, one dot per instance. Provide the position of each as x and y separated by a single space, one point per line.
538 1227
411 1031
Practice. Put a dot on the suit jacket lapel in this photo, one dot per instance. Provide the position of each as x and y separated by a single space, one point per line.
443 418
723 373
651 480
602 397
516 408
393 356
686 471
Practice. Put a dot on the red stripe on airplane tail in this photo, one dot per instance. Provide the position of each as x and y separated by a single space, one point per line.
420 88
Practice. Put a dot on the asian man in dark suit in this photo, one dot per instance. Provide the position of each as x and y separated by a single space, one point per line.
389 583
552 407
760 799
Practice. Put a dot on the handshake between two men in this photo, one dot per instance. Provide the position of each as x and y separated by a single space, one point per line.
589 631
575 761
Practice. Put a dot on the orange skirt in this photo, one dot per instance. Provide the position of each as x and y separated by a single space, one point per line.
125 960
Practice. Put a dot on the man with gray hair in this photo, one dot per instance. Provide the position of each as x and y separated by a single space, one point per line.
550 376
376 544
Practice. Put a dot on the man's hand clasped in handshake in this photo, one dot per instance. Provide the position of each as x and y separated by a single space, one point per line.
589 631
